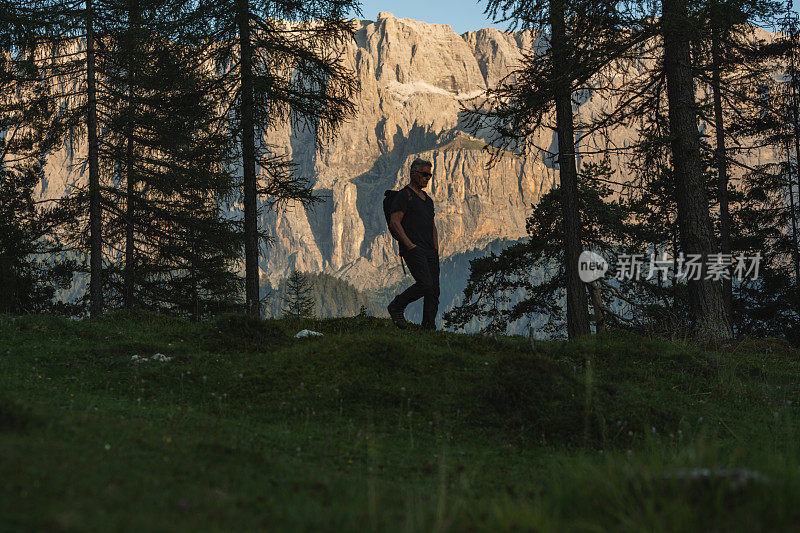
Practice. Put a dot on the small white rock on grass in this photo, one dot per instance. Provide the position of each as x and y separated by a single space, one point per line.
307 333
159 357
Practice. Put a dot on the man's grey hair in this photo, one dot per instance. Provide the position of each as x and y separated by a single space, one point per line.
419 163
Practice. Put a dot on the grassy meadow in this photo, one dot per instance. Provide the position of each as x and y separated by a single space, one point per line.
370 428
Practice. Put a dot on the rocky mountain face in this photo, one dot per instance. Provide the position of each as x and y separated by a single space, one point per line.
414 79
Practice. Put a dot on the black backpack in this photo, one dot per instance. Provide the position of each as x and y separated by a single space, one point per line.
388 198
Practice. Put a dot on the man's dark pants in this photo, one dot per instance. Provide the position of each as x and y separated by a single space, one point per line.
423 264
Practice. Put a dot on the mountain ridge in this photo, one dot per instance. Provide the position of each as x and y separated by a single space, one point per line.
414 78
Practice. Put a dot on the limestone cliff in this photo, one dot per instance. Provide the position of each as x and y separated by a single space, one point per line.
414 79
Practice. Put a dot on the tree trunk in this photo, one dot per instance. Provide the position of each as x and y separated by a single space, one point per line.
674 269
795 101
130 267
793 218
577 305
95 214
249 164
129 274
195 314
720 159
130 181
597 305
710 319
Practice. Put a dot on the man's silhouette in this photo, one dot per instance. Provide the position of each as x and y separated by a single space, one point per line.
412 221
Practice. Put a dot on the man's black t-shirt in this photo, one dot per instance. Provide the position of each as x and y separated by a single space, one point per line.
417 219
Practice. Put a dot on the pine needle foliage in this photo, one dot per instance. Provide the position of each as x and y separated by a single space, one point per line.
298 302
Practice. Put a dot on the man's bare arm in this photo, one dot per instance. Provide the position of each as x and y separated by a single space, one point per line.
435 238
394 222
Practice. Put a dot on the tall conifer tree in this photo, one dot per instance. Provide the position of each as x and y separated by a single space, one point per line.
279 60
298 302
157 174
583 38
171 163
28 270
711 320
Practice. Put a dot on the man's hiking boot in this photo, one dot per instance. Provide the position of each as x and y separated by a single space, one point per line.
397 317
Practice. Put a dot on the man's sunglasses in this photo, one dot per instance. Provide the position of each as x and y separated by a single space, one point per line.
426 174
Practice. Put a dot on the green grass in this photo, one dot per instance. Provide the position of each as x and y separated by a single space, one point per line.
463 143
368 427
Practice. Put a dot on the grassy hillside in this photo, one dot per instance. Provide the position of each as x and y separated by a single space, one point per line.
248 428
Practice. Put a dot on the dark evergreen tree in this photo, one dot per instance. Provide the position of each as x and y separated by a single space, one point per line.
162 161
729 62
167 149
29 271
279 60
298 302
710 317
765 221
74 41
790 43
526 279
667 31
583 39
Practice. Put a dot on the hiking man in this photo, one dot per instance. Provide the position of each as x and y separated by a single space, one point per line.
412 221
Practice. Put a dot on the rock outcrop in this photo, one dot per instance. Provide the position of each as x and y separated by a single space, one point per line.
415 77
